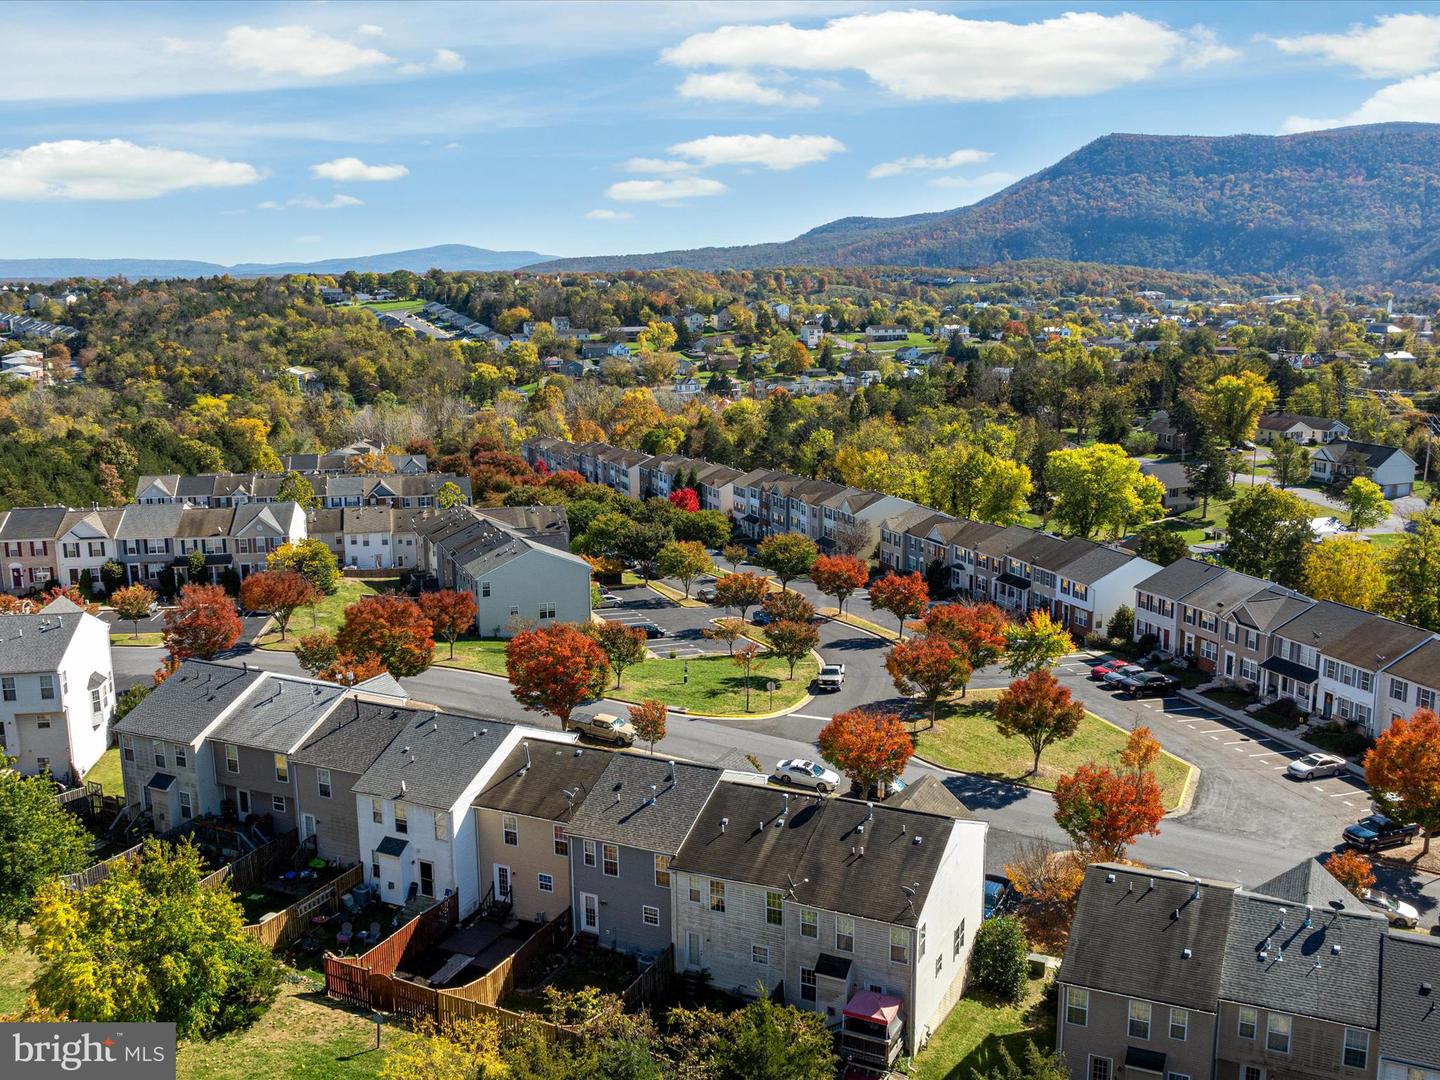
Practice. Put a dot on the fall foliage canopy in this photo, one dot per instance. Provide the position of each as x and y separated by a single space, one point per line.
902 595
451 613
392 628
1039 710
869 747
202 623
554 668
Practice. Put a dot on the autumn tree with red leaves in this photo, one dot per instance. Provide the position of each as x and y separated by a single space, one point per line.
839 576
726 630
390 627
1039 710
872 748
930 667
132 603
280 592
1103 812
316 652
685 499
202 623
1403 771
71 593
902 595
554 668
349 670
623 645
648 719
788 607
1352 870
451 613
979 629
1141 751
741 591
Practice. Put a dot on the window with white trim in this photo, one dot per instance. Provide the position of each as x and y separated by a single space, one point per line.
844 933
1139 1024
588 852
610 860
1077 1006
662 871
277 803
1246 1021
759 954
232 758
562 840
774 908
510 830
377 812
717 895
442 825
546 882
650 915
1099 1068
809 923
282 769
187 807
899 945
402 819
807 984
1277 1033
1179 1024
958 939
322 782
47 687
1357 1048
181 759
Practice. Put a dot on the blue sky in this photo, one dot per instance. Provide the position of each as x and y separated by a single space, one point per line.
277 131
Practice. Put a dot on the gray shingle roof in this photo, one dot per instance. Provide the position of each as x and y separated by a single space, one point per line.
1269 608
32 523
436 755
278 713
1326 625
1421 666
739 836
188 702
617 808
930 794
156 522
1180 578
1409 1012
538 790
1274 961
1126 940
1224 591
353 736
1095 564
1307 882
36 642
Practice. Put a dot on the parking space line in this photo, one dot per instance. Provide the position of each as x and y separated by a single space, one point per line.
1238 741
1212 730
1340 795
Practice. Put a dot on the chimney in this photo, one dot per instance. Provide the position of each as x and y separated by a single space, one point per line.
724 821
526 747
672 773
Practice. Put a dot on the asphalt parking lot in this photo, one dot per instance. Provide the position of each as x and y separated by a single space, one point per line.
683 626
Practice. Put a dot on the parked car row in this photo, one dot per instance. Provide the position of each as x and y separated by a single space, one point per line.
1134 679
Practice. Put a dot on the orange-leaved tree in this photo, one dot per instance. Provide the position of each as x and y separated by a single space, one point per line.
1103 812
726 630
648 719
554 668
280 592
933 668
132 603
871 748
202 623
390 627
1142 749
451 613
839 576
1403 771
741 591
1352 870
71 593
349 670
977 628
902 595
1039 710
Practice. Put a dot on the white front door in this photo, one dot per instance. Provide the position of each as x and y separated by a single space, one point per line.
589 913
693 960
502 882
242 802
307 826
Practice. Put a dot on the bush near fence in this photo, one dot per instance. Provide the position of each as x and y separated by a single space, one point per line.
286 926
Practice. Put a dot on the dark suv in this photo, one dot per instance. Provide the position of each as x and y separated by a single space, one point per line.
1378 831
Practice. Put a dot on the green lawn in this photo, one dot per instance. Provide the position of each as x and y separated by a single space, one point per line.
716 686
969 1041
965 739
396 305
1384 540
1192 524
145 638
328 614
472 654
17 970
106 772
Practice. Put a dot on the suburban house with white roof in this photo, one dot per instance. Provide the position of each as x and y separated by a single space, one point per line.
57 690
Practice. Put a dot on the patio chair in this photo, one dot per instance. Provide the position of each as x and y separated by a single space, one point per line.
348 903
342 939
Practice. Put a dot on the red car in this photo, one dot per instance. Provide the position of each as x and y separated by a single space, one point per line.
1099 671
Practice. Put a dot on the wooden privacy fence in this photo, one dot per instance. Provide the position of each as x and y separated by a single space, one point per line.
254 866
100 871
500 980
292 923
368 974
652 983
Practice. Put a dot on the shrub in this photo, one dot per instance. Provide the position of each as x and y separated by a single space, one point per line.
1000 961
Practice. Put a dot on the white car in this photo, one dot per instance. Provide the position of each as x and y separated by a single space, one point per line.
1397 911
1314 766
608 600
806 774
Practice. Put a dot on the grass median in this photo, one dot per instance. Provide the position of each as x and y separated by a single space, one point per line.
965 739
328 614
146 639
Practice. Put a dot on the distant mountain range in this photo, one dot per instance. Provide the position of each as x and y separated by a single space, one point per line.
419 260
1354 205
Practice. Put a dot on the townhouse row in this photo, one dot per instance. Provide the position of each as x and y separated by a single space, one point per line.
1333 661
845 907
334 491
1189 979
762 502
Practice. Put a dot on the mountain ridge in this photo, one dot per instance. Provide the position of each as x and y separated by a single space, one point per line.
1353 203
417 260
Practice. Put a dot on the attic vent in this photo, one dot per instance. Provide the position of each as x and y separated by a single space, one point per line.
1109 879
1184 954
724 821
780 822
1424 987
1335 949
916 841
1175 914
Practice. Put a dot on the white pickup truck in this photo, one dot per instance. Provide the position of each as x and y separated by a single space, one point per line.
831 677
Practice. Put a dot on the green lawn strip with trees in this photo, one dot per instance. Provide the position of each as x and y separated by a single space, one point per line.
396 305
966 740
106 772
968 1043
18 966
145 639
329 613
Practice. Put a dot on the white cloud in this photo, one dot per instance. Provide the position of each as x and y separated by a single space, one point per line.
309 202
953 160
1393 45
296 50
370 30
1416 99
656 166
771 151
1205 48
447 60
112 169
928 54
994 181
666 191
347 170
609 215
742 86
